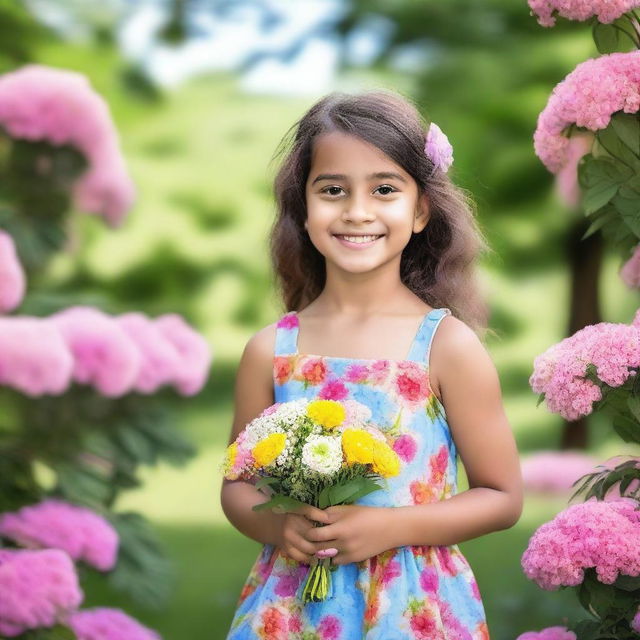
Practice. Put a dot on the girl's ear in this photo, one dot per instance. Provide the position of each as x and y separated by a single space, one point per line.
422 214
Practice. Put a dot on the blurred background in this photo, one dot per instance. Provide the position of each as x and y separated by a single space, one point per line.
201 92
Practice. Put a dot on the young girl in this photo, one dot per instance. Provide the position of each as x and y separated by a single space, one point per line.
373 248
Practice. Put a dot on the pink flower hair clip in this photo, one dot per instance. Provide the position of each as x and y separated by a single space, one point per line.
437 148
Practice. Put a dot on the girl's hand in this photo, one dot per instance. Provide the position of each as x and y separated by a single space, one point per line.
293 535
358 532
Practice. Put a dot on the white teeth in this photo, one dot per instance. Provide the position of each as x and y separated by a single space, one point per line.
359 239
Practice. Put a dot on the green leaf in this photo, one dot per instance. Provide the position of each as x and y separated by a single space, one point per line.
627 583
633 402
627 428
598 196
627 127
607 216
266 481
540 399
606 37
280 504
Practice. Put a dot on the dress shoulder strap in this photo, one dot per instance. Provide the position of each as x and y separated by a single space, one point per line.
287 334
421 347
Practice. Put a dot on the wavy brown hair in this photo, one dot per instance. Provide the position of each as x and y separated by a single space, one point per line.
438 264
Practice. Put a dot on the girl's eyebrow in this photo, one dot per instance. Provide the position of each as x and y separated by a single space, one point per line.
341 176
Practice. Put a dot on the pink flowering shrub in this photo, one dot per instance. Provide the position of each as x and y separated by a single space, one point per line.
602 535
630 272
60 107
37 589
587 97
103 623
193 351
555 471
83 534
560 373
103 353
34 358
159 358
550 633
12 279
604 10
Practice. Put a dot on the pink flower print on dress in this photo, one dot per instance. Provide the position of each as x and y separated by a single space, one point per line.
329 628
356 373
391 571
439 464
288 321
287 585
452 622
405 446
281 369
411 382
333 390
378 371
314 371
424 625
429 580
421 492
475 589
274 625
295 624
446 561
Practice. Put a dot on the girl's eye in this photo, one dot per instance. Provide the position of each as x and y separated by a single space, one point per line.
384 186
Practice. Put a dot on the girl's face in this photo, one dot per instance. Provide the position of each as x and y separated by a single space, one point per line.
354 191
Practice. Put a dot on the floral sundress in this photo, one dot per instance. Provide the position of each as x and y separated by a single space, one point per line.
410 592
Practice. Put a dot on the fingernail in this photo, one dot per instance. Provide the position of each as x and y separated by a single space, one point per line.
326 553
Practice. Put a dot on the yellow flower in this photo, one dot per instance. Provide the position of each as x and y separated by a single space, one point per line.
385 459
358 446
229 461
328 413
268 449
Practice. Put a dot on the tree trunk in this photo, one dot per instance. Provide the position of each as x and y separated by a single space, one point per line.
585 259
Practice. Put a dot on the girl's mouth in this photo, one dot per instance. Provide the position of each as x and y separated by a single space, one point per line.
357 242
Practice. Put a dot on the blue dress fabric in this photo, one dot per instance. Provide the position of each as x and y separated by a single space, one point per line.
411 592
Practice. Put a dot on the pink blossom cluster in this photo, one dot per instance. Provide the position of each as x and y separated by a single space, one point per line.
59 106
560 371
588 97
605 10
116 355
37 589
12 279
104 623
597 534
438 148
630 272
550 633
635 623
555 471
83 534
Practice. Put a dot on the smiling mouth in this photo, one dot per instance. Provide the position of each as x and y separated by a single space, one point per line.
358 239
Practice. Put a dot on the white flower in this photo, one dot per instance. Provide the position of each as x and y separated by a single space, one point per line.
322 454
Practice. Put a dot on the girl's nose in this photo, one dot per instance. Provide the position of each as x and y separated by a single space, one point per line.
358 211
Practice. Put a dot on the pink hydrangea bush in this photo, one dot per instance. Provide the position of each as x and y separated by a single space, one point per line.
34 358
588 97
560 373
193 351
550 633
83 534
37 589
630 272
555 471
604 10
591 534
60 107
104 623
12 278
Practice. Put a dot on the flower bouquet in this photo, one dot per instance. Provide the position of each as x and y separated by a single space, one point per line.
312 452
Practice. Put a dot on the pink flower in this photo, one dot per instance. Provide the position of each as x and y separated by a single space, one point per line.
83 534
333 390
288 321
437 148
356 412
411 382
405 446
34 357
424 626
567 187
560 372
37 589
104 623
105 355
378 371
391 571
274 624
59 106
550 633
12 279
356 373
287 585
605 10
159 358
193 351
588 97
270 409
635 623
592 534
630 272
555 471
329 628
429 580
